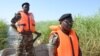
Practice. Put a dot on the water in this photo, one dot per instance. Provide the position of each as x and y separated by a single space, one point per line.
13 37
13 40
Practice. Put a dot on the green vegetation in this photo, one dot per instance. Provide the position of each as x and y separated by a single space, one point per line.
43 27
3 34
87 28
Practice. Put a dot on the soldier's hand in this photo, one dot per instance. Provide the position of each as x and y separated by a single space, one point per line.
39 34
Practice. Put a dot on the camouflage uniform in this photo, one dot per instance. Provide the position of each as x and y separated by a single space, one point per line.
25 47
27 38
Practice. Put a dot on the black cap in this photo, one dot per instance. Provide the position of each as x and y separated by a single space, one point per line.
26 3
66 16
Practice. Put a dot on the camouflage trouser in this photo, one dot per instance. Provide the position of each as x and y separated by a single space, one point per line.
25 47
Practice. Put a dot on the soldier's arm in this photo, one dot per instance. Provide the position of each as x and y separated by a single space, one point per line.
37 33
53 44
15 19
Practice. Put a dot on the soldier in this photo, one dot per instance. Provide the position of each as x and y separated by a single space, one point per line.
63 40
24 23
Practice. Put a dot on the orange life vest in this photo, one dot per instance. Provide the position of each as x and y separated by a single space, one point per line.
26 23
66 46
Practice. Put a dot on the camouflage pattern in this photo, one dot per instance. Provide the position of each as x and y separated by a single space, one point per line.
25 47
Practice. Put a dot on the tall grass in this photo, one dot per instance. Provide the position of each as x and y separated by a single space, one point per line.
88 30
3 34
